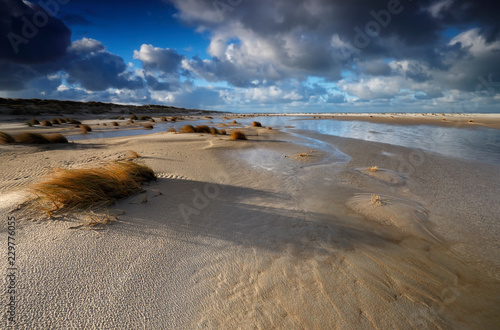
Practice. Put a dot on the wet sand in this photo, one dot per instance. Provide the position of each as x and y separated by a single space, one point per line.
266 233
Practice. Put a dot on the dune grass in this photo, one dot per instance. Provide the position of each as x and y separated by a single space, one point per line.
55 138
163 119
45 123
188 129
34 122
115 124
133 117
6 138
89 188
73 121
256 124
373 168
148 126
202 129
132 154
238 135
85 129
172 130
32 138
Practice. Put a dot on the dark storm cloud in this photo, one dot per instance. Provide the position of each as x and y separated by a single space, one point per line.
285 39
30 34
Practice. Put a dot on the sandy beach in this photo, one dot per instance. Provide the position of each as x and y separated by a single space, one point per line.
264 233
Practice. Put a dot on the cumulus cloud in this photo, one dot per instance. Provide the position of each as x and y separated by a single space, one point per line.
295 39
91 66
153 58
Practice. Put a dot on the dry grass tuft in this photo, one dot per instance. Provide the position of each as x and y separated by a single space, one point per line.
34 122
144 117
188 129
6 138
68 189
133 155
115 124
235 122
303 155
45 123
30 138
373 168
238 135
269 128
470 121
163 119
54 121
74 122
202 129
148 126
133 117
85 129
171 129
55 138
256 124
152 120
222 132
61 120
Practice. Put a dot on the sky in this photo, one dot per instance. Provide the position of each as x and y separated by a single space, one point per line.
256 56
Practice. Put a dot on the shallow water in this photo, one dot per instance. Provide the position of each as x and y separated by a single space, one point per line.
478 143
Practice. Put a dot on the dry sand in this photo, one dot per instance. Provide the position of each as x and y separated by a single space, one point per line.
251 234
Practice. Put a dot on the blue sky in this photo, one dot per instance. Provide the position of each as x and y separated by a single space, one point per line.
256 56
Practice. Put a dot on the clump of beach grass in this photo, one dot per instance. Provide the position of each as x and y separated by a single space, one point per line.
256 124
6 138
33 138
373 168
172 130
34 122
202 129
115 124
238 135
85 128
163 119
73 121
30 138
133 117
54 121
89 188
148 126
188 129
132 154
45 123
55 138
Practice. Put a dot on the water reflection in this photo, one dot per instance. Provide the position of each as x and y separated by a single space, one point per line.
479 143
